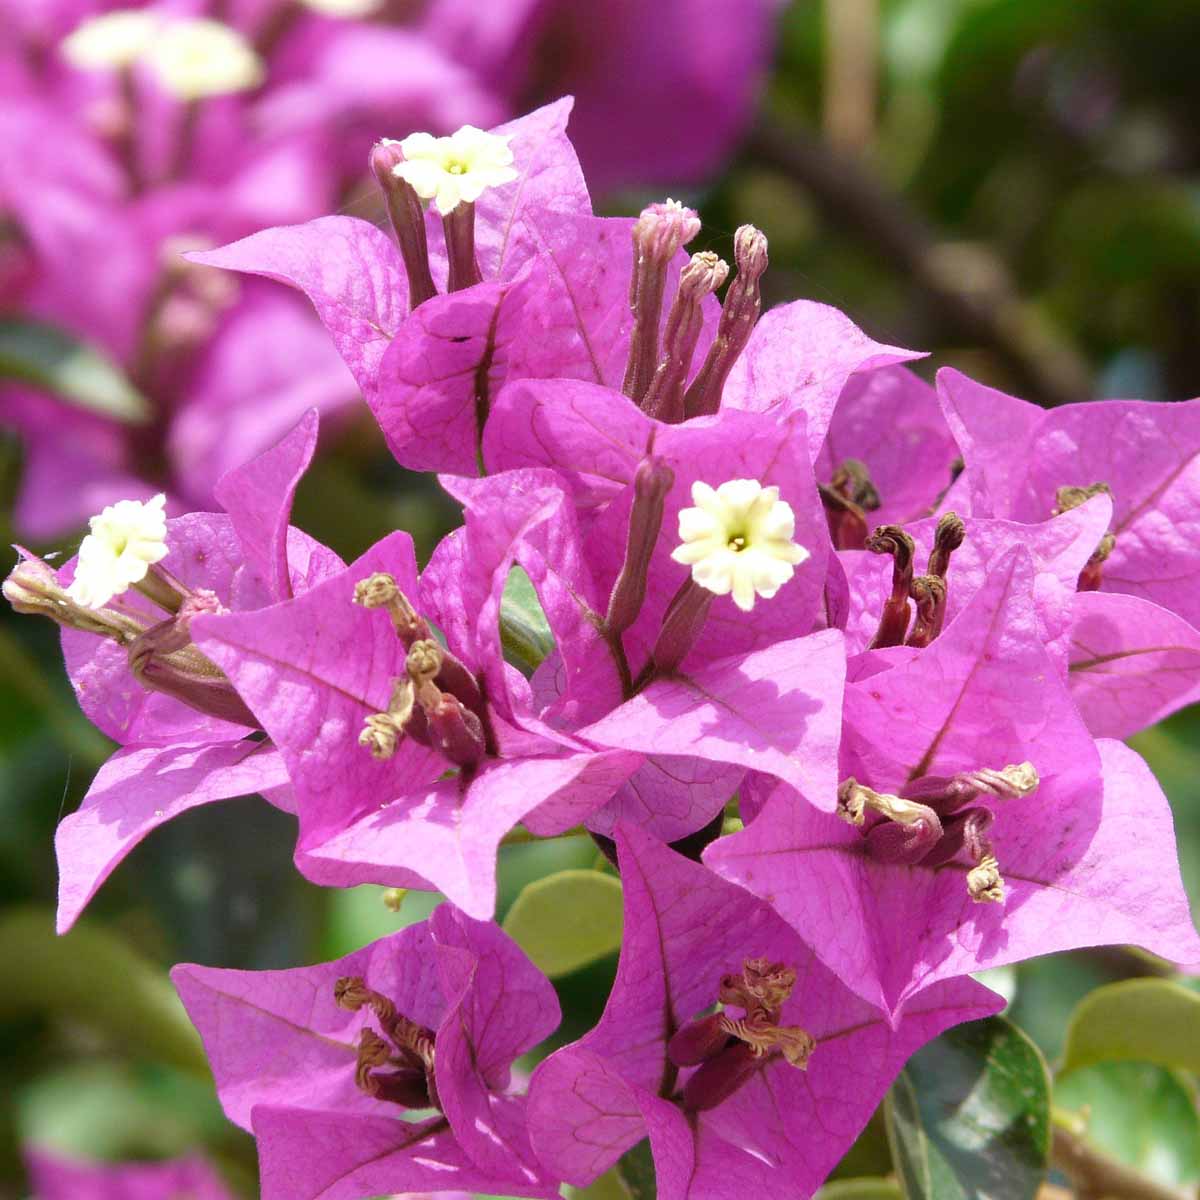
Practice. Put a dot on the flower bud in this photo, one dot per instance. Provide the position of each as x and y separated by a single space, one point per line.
658 235
702 276
697 1041
739 314
651 483
408 220
718 1078
893 623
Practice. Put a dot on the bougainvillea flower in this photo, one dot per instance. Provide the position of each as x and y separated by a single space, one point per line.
1018 457
56 1178
1060 549
750 683
186 738
420 382
766 1101
888 449
931 888
323 1062
410 762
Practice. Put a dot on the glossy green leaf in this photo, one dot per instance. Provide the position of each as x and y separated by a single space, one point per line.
52 359
970 1116
1139 1113
524 631
567 920
1150 1020
861 1189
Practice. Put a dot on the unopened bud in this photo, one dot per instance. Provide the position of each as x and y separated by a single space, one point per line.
651 483
718 1078
928 593
408 220
380 591
684 619
459 228
947 538
697 1041
455 731
1092 575
739 314
658 235
163 659
893 622
424 661
702 276
985 884
947 794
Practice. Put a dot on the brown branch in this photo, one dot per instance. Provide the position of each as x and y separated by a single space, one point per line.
1096 1174
966 284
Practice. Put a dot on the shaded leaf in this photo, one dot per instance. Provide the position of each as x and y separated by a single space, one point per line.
52 359
1151 1020
524 631
970 1115
91 977
1141 1114
567 920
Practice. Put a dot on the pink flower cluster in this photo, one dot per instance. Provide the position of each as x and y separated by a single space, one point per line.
904 627
112 164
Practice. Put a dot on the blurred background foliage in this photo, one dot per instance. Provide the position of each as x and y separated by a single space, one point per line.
1013 185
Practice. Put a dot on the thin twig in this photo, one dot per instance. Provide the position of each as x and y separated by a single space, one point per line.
1094 1173
966 284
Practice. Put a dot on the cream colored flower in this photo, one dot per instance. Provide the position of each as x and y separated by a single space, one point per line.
461 167
343 8
197 58
738 539
125 539
112 41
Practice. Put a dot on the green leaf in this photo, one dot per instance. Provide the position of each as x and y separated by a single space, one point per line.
970 1115
52 359
524 631
1150 1020
1141 1114
567 920
90 978
610 1186
636 1168
861 1189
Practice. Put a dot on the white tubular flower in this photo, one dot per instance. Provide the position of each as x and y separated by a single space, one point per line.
126 538
109 43
450 170
197 58
343 8
738 539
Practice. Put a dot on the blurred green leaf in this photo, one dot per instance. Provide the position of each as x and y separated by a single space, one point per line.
90 978
357 916
1150 1020
608 1187
970 1115
111 1110
1140 1113
52 359
861 1189
524 631
636 1169
567 920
